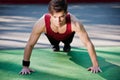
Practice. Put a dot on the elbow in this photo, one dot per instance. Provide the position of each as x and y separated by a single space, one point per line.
89 45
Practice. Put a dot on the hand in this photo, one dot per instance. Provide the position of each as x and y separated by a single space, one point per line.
94 69
25 71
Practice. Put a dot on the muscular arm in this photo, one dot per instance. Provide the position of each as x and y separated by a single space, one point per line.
88 44
81 32
35 34
38 28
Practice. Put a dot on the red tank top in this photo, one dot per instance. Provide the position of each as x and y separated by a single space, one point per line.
58 36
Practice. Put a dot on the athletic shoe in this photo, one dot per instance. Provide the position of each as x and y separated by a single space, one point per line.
56 48
67 48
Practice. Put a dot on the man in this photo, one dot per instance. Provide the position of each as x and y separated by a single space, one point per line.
59 25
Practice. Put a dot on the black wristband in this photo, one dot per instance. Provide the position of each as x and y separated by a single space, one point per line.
26 63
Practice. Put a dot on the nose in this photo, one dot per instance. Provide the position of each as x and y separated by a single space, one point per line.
58 19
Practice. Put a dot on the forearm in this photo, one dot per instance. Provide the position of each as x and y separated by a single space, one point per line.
27 52
92 54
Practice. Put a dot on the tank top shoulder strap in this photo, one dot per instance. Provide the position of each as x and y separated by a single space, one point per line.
68 21
47 19
47 22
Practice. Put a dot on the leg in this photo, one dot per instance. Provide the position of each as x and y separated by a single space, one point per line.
54 43
67 43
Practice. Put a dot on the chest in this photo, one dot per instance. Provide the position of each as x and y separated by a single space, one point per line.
59 30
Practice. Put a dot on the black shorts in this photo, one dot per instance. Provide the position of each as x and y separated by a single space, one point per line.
56 42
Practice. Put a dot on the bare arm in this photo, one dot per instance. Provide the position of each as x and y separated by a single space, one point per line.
81 32
35 34
88 44
38 28
90 47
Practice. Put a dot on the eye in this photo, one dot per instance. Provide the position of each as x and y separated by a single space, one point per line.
54 16
63 16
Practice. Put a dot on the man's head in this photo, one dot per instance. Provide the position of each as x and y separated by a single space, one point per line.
58 11
57 6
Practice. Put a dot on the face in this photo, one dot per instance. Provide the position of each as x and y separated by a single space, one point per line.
58 18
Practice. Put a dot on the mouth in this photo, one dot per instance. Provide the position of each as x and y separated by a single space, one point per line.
59 23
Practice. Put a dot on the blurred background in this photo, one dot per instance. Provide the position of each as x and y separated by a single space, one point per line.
46 1
101 18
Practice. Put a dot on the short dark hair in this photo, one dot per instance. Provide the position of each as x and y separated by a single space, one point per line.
57 6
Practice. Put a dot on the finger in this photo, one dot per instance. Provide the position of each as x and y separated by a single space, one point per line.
26 72
29 72
94 71
91 71
99 70
20 72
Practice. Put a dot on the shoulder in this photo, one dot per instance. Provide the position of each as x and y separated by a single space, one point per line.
41 19
73 18
75 22
40 24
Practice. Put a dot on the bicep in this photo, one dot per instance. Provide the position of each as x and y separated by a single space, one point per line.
83 35
36 32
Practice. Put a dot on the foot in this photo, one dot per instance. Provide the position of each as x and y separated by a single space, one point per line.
67 48
56 48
